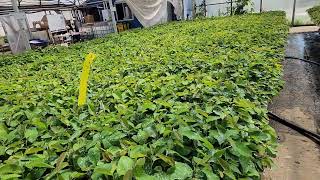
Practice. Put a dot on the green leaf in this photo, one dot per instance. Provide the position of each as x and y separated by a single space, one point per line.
230 174
83 163
33 150
186 131
181 171
140 162
83 116
10 176
94 155
244 103
139 172
10 169
241 148
105 168
125 164
209 173
149 105
37 164
2 150
138 151
69 175
60 162
31 134
3 132
166 159
38 123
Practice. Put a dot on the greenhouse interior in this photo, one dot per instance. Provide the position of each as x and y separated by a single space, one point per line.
160 89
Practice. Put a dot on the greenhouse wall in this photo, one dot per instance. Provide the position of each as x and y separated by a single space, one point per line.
301 16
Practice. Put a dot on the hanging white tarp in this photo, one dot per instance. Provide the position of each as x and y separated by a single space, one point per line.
16 28
151 12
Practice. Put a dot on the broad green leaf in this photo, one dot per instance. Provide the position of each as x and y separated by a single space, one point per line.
186 131
166 159
2 150
3 132
140 162
125 164
83 163
31 134
33 150
10 176
10 169
149 105
230 174
140 174
37 164
94 155
138 152
244 103
60 162
69 175
106 168
209 173
241 148
220 137
181 171
39 124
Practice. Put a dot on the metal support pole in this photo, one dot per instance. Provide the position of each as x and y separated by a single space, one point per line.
261 1
205 8
193 9
182 4
15 6
231 11
113 10
293 12
104 5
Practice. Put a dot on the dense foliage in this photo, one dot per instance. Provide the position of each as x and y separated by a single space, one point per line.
178 101
314 13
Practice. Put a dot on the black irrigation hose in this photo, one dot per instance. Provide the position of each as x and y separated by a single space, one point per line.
305 60
309 134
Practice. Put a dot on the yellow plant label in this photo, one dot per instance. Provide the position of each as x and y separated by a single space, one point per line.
84 78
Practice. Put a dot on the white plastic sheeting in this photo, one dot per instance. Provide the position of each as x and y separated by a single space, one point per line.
17 31
151 12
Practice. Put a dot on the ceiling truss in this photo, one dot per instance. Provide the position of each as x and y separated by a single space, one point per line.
40 5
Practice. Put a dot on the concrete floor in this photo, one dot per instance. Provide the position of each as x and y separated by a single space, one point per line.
299 101
304 29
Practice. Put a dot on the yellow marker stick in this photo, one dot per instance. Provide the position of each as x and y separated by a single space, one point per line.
84 79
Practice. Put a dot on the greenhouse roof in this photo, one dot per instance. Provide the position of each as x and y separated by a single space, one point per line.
38 5
39 2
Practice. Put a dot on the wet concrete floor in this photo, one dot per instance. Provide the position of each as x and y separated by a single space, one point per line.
299 101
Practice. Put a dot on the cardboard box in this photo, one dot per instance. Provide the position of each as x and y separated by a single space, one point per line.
89 19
